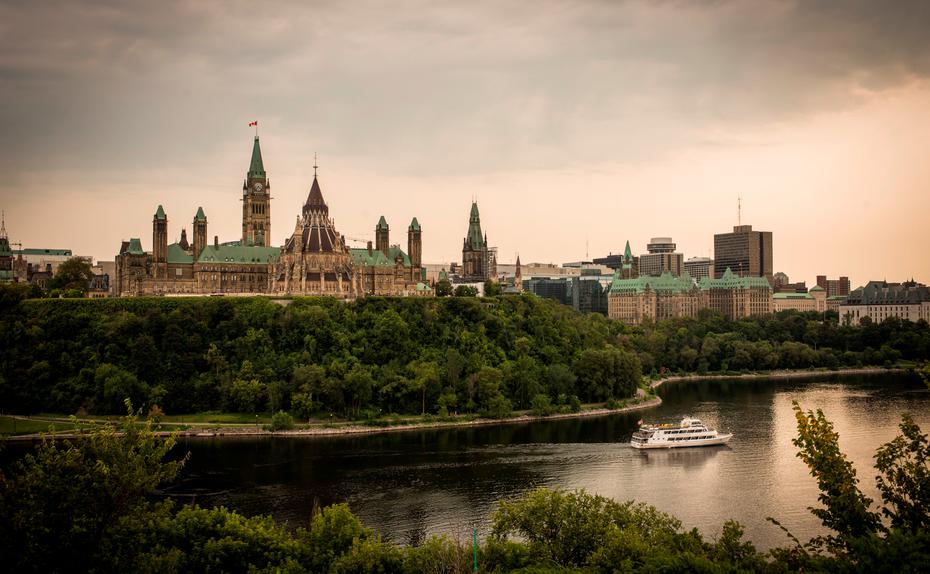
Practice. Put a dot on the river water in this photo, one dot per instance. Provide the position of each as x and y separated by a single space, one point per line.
408 485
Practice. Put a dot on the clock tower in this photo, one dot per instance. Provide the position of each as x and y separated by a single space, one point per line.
256 202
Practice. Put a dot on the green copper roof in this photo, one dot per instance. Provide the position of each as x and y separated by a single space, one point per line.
474 238
40 251
200 215
360 256
176 254
666 283
816 288
382 223
250 255
792 296
415 225
731 280
135 247
423 287
160 213
256 167
627 253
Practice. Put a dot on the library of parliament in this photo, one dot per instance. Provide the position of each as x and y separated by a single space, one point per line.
314 260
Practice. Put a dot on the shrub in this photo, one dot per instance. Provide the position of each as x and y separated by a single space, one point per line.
282 421
541 406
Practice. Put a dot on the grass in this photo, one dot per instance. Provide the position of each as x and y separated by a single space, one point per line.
13 427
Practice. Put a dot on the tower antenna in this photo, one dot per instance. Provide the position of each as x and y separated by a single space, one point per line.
314 165
739 210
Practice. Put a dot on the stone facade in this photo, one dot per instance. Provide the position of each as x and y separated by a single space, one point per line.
639 299
813 300
880 300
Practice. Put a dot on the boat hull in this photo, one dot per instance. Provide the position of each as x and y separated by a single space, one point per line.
717 440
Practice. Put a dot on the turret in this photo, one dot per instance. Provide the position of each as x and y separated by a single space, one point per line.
415 244
160 242
382 236
256 200
200 233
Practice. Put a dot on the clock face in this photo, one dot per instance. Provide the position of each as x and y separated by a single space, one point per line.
258 186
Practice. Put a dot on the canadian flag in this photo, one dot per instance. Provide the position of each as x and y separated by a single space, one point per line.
255 123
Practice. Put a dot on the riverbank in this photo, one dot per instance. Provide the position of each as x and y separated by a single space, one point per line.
202 430
781 374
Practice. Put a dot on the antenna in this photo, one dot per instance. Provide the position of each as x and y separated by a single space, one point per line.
586 248
314 165
739 210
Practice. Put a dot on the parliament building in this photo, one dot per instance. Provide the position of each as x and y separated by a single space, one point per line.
314 260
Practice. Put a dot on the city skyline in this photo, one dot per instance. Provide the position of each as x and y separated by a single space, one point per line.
649 124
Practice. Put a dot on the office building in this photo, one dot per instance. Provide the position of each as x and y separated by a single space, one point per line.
745 252
661 258
834 287
880 300
699 267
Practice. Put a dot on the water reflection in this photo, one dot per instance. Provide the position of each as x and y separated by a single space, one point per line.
412 484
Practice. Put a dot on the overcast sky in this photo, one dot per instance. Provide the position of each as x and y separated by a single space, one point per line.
577 125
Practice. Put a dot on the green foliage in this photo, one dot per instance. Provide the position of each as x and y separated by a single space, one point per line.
281 421
465 291
73 275
318 356
492 288
62 505
904 478
369 556
444 288
332 533
541 406
846 509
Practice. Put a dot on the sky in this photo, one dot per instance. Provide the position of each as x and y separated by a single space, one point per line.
576 125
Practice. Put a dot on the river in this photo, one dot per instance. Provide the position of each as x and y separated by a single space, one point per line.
408 485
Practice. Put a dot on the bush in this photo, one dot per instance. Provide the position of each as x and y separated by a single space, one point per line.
281 421
541 406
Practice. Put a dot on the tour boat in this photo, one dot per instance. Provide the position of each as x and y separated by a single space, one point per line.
689 432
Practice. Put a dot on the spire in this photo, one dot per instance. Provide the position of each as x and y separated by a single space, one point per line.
627 252
382 224
160 213
474 238
200 215
414 225
256 167
3 234
315 199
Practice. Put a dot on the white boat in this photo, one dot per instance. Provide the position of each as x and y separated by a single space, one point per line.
689 432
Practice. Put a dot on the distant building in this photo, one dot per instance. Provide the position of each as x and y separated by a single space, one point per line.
834 287
745 252
479 262
661 258
779 279
655 298
880 300
587 294
698 267
6 255
813 300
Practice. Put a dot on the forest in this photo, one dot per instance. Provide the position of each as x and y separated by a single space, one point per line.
359 359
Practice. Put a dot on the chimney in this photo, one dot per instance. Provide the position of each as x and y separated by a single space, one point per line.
216 241
369 249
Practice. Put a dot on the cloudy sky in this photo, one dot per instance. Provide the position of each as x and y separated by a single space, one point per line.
577 125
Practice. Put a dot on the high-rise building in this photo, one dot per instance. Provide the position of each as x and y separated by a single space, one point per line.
698 267
834 287
745 252
661 258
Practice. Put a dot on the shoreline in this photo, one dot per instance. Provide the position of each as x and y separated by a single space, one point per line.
779 374
251 431
320 431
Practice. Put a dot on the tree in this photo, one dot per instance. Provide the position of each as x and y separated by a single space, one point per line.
63 506
248 396
491 288
846 508
443 288
904 477
75 273
466 291
116 385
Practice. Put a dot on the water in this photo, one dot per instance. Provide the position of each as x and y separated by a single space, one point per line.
411 484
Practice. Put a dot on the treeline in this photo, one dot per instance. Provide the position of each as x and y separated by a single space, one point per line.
91 507
316 356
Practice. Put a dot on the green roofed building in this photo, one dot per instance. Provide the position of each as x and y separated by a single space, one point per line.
639 299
